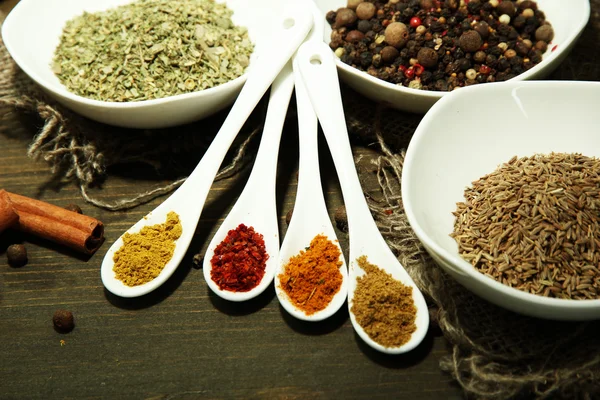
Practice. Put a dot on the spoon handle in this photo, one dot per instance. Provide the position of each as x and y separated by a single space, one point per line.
264 170
320 75
289 31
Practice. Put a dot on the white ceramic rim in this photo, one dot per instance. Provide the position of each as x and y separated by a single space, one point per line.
576 31
458 262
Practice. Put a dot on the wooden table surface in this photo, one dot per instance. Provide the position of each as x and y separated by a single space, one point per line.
181 341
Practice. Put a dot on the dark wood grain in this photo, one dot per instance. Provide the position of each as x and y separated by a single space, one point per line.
179 342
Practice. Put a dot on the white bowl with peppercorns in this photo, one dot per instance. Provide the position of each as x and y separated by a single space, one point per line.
409 53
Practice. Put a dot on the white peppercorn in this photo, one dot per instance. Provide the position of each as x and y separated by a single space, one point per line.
504 19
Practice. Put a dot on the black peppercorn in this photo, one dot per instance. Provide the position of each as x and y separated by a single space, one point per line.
16 255
474 6
483 28
463 64
389 54
519 21
63 321
521 48
330 16
364 26
503 64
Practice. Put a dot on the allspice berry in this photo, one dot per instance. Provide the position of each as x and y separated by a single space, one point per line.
288 216
74 208
352 4
483 28
63 321
16 255
366 10
354 36
427 57
389 54
344 17
470 41
545 33
507 7
396 34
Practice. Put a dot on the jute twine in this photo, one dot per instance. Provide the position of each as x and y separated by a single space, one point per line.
495 354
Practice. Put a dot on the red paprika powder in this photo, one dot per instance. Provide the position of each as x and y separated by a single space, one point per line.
239 261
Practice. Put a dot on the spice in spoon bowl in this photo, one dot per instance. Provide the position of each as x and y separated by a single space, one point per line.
142 63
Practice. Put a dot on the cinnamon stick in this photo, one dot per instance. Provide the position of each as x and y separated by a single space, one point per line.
8 216
77 231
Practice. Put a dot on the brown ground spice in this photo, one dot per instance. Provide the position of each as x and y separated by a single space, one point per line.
383 306
144 254
312 277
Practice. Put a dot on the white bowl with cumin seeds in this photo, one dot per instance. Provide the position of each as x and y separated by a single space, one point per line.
467 135
568 18
31 33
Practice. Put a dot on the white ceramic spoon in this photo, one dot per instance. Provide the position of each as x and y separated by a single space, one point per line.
188 200
256 205
310 216
319 72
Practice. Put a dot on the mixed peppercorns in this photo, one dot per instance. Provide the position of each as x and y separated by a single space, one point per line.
440 44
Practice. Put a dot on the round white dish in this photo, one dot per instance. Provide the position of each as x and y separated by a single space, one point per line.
568 19
32 31
468 134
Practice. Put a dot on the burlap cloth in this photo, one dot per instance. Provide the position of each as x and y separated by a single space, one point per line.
494 353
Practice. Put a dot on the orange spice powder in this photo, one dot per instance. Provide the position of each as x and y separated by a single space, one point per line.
312 277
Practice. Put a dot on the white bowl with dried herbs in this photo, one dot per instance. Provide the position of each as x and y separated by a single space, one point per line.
409 54
501 184
139 64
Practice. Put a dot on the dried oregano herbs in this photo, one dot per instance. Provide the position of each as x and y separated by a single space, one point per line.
151 49
533 224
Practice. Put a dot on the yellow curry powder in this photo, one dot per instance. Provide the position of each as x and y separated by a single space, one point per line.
144 254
